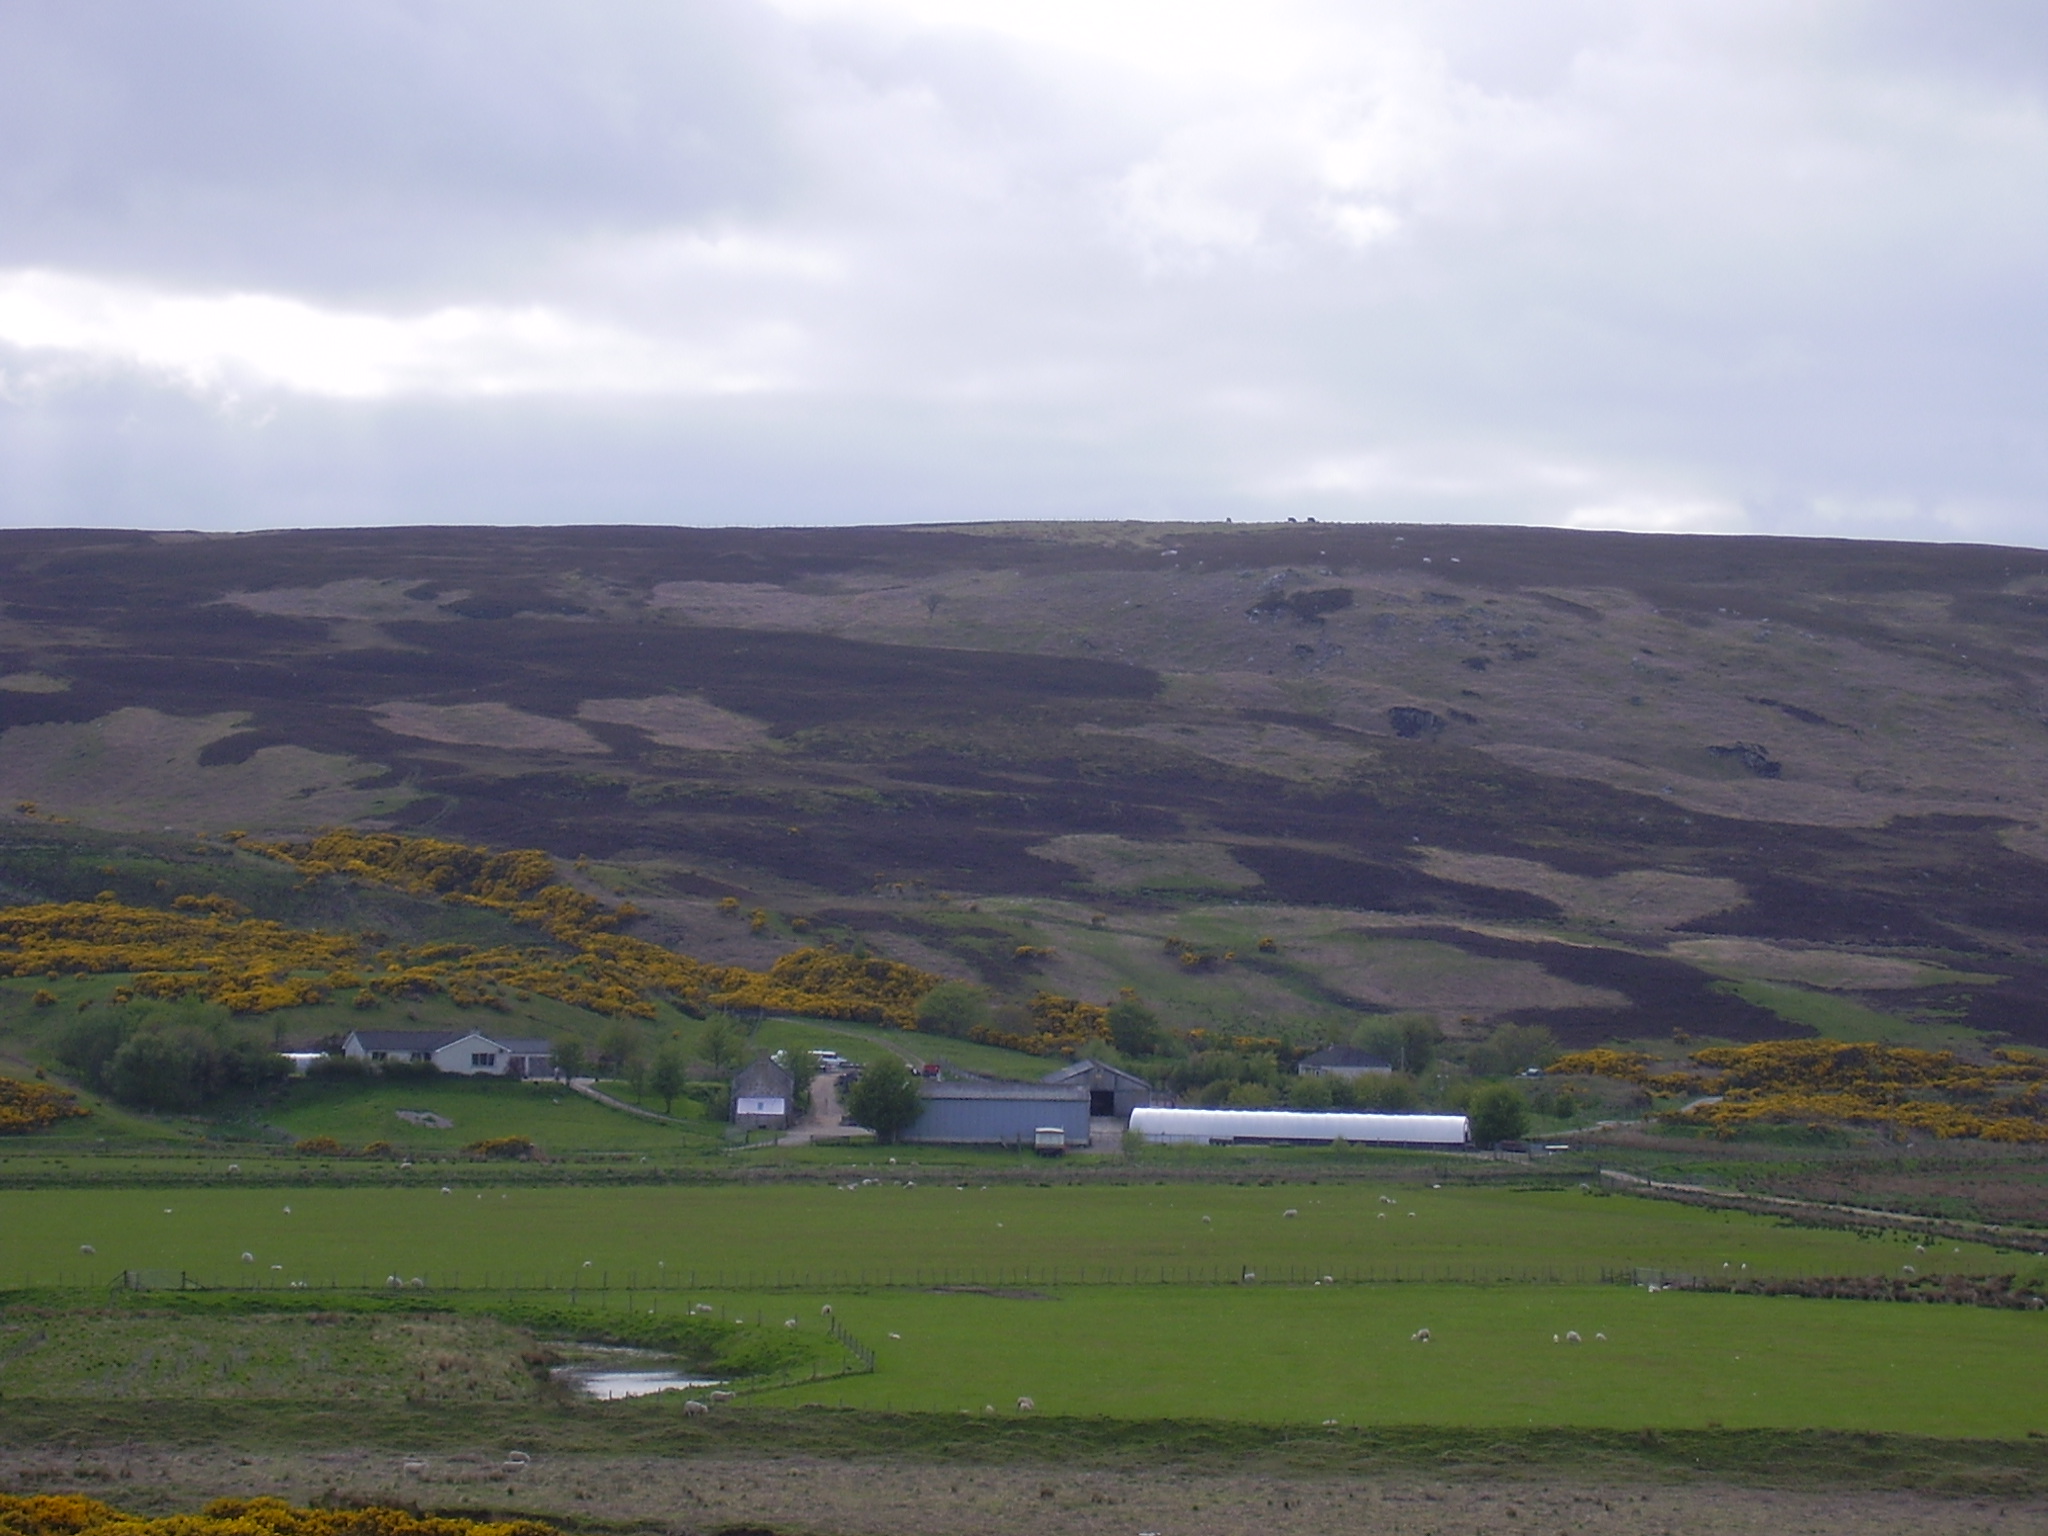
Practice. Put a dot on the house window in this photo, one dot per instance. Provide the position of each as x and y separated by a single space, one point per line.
377 1055
422 1055
483 1058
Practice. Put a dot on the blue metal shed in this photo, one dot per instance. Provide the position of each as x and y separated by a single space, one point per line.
984 1113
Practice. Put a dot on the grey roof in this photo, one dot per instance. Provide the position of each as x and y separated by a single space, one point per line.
513 1047
1085 1070
986 1088
407 1039
763 1079
1347 1056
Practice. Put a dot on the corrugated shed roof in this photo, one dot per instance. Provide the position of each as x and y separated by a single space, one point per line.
1086 1071
1044 1093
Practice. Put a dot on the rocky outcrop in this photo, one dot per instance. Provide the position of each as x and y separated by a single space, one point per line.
1755 758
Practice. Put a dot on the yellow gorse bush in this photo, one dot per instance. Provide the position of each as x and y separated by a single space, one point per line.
1938 1092
74 1515
26 1107
208 947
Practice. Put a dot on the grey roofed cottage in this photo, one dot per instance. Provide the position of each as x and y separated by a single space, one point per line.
398 1044
763 1094
983 1112
1342 1061
1111 1090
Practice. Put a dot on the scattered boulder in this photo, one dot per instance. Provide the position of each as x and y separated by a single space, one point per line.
1308 606
1755 758
1412 724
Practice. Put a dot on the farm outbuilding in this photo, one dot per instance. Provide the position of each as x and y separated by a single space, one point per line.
1283 1127
763 1096
987 1113
1342 1061
1112 1092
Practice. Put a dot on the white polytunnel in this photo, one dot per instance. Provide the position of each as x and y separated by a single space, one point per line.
1212 1127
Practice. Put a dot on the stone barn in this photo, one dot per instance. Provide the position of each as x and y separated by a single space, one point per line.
764 1096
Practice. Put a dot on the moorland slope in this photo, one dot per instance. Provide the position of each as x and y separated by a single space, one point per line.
1618 785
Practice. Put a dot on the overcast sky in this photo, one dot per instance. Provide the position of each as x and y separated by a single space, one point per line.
1693 265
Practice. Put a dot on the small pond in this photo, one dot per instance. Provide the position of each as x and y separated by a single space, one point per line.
609 1373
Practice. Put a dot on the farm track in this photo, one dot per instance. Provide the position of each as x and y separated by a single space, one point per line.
934 1493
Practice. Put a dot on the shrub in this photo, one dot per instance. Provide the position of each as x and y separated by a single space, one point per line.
26 1107
508 1148
320 1146
954 1008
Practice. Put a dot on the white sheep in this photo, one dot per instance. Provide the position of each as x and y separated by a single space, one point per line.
248 1258
87 1248
721 1397
287 1210
277 1266
1555 1339
415 1466
1025 1405
519 1457
1210 1219
825 1310
1419 1336
1388 1200
789 1322
446 1190
1572 1337
1290 1211
1600 1337
703 1307
1909 1269
896 1336
234 1167
694 1408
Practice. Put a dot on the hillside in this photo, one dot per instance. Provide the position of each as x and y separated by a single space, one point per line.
1618 785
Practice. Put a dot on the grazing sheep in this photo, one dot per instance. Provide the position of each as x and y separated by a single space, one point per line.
1290 1211
277 1266
1209 1219
789 1322
234 1167
415 1466
446 1190
1601 1337
704 1307
1388 1200
1329 1423
1919 1247
694 1408
1572 1337
248 1258
721 1397
1383 1215
521 1457
287 1210
825 1310
87 1248
1909 1269
895 1335
586 1263
1419 1336
1329 1279
1025 1405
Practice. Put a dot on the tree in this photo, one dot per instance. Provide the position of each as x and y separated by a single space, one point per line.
953 1008
668 1076
721 1043
885 1100
620 1048
1497 1114
1510 1049
803 1067
1408 1040
568 1054
1133 1028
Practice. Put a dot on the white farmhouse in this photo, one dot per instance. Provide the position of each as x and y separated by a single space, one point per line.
467 1053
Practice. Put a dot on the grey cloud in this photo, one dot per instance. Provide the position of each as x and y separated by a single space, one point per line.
1741 265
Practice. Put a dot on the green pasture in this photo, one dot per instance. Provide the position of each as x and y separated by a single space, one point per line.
1307 1354
555 1117
883 1233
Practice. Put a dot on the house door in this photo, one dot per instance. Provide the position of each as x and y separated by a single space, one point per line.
1101 1102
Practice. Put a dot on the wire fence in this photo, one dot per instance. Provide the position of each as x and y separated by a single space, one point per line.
627 1284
